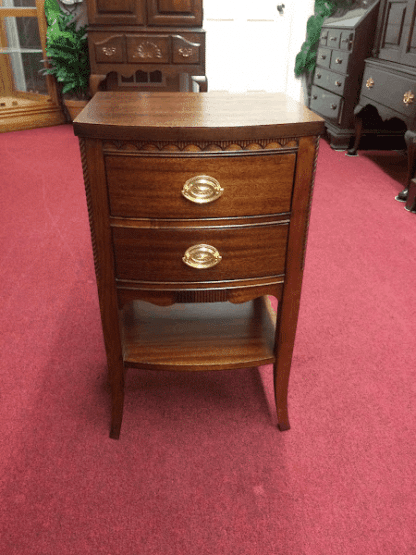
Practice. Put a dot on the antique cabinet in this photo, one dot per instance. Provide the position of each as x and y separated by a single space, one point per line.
27 98
345 41
199 208
389 82
147 44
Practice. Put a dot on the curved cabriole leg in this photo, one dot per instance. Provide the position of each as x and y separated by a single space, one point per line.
410 138
95 81
358 131
202 82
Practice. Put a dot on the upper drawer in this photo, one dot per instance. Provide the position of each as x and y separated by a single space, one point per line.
151 187
107 48
347 40
329 80
334 37
391 90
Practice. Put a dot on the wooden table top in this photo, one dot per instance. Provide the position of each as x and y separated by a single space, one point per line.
191 116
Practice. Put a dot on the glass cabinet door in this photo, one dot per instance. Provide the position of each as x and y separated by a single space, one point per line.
23 89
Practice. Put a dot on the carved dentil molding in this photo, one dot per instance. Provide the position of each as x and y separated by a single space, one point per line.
201 146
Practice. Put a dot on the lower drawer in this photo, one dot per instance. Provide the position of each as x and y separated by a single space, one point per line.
157 254
327 104
333 82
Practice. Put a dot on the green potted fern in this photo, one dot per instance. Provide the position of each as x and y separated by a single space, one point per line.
67 57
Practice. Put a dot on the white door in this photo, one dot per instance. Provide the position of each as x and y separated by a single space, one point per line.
251 46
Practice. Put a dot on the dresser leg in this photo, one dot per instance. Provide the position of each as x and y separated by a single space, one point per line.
358 132
117 403
281 383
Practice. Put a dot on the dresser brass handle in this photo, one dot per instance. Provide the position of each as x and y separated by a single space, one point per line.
408 97
202 257
334 106
318 75
338 83
338 60
370 83
202 189
333 38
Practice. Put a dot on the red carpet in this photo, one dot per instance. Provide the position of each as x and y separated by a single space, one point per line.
200 468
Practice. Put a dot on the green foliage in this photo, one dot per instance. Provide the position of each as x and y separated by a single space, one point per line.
306 58
67 51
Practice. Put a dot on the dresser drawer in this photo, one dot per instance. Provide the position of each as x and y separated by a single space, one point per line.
152 187
334 37
323 57
339 61
347 40
157 254
148 49
329 80
391 90
107 48
327 104
186 50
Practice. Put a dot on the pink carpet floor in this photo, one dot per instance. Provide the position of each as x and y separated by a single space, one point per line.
200 468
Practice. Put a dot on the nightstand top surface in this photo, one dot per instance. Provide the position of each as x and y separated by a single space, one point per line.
189 116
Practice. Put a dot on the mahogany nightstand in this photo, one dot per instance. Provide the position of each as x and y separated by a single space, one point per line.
199 207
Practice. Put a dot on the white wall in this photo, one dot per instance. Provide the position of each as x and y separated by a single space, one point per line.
231 50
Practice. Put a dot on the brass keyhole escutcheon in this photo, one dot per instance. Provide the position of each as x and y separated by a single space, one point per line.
408 97
202 189
202 257
370 83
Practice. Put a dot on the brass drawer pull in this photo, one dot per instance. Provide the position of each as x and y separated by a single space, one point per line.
202 257
334 106
333 38
323 56
318 75
202 189
338 60
370 83
338 83
408 98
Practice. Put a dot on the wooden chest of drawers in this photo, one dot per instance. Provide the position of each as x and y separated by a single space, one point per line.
199 208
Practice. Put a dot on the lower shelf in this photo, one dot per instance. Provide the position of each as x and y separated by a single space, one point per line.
198 336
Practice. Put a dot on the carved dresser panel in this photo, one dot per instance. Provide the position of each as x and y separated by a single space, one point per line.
145 44
199 207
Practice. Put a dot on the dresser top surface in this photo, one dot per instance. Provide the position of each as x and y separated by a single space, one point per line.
190 116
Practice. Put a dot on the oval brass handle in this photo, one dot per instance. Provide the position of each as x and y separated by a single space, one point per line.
333 38
202 189
369 83
202 257
334 106
408 97
318 75
338 83
323 56
338 60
